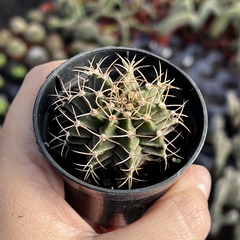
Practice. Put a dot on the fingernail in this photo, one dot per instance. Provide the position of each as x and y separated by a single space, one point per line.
204 190
203 180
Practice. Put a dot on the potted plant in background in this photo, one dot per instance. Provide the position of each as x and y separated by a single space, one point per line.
120 125
181 18
229 20
60 18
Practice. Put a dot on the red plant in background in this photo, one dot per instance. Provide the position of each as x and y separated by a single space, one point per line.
48 7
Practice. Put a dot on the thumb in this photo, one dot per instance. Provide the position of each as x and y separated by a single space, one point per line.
181 213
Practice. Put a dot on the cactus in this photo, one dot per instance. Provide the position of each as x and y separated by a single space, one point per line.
118 120
78 46
222 144
54 42
35 15
35 33
17 71
5 36
87 30
18 25
16 48
226 196
37 55
3 60
4 105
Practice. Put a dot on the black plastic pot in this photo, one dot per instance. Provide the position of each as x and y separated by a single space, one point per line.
112 208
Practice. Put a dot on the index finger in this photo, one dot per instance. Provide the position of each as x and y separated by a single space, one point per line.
18 127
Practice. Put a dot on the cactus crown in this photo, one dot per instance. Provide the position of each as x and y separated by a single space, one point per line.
115 121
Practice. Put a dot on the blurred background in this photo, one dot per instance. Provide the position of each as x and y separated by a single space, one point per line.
201 37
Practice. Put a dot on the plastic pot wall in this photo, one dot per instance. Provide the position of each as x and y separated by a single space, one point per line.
112 208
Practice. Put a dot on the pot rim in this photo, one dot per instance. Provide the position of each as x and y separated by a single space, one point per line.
68 176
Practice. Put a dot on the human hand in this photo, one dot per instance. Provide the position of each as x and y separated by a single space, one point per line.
32 204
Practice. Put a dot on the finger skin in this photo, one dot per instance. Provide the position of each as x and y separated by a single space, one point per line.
18 128
32 204
181 213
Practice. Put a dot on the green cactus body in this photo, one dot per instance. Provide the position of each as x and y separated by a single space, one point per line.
3 60
35 33
4 105
18 25
119 122
17 71
16 48
87 30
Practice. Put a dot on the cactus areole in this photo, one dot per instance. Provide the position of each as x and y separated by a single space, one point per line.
120 119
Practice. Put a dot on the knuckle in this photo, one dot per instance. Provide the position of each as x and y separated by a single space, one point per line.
193 215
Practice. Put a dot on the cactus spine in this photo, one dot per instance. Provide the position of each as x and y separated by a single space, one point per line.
117 119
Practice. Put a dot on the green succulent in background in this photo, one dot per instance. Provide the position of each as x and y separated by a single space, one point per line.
225 208
36 55
206 10
117 120
182 13
54 42
5 36
4 105
35 15
3 60
87 30
230 16
2 81
17 71
193 13
209 17
16 48
18 25
82 19
35 33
